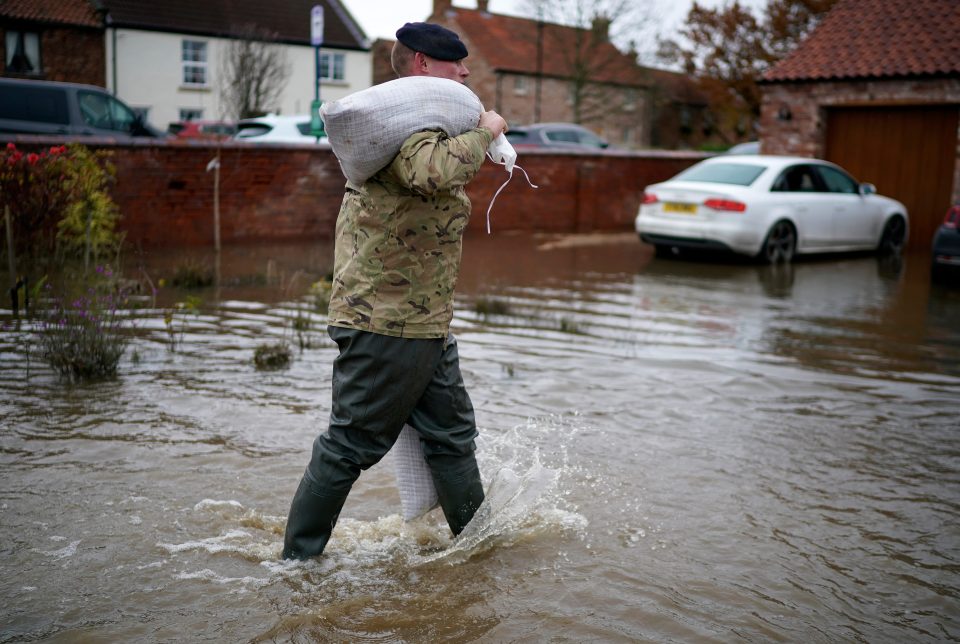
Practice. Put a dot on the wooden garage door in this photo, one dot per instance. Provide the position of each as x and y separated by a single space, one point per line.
909 153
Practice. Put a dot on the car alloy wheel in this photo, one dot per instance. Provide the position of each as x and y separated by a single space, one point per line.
780 244
894 233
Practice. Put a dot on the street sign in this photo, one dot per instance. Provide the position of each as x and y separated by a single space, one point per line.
316 26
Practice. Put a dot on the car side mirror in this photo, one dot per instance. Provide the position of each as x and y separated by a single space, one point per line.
868 189
136 127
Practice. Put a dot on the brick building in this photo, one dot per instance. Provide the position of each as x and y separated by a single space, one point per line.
529 72
58 40
876 88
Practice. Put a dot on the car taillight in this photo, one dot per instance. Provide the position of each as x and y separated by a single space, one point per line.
952 220
649 197
725 204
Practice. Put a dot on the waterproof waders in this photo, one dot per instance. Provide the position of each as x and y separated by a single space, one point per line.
379 384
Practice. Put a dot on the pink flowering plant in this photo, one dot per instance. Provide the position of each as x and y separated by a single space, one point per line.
58 201
83 336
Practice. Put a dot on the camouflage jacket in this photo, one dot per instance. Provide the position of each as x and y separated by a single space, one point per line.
398 238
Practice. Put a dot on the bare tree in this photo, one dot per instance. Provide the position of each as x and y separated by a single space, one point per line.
729 48
596 41
254 73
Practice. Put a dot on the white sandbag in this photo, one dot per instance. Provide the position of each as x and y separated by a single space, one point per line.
367 128
418 495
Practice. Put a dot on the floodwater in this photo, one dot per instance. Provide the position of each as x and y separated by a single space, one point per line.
674 450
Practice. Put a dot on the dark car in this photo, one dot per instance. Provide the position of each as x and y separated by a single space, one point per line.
555 135
48 107
946 247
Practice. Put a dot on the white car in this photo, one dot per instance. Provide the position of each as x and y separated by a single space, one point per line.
769 207
277 129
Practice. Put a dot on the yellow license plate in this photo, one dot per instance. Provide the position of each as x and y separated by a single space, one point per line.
684 208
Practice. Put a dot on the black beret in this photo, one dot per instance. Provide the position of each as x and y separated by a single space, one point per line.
432 40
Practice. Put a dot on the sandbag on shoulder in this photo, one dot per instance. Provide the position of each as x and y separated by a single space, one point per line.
367 128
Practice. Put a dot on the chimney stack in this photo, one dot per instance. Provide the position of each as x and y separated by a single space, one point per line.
600 27
482 5
441 8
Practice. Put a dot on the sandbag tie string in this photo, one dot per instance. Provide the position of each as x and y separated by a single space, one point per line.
500 189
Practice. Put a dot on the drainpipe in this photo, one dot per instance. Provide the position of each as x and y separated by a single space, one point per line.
113 57
104 14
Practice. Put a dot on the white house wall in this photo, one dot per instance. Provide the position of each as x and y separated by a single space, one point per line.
147 73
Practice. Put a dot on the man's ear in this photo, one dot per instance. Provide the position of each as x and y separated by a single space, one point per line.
420 62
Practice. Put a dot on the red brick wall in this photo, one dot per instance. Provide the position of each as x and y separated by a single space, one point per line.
284 192
578 192
166 194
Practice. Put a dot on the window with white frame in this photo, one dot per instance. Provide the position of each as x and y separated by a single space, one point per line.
194 58
332 67
630 99
190 114
23 52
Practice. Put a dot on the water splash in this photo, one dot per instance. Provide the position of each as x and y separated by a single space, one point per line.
524 498
517 504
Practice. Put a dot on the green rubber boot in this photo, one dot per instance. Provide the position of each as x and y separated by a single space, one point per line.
310 522
460 496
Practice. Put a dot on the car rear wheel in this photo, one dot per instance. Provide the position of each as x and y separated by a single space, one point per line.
780 244
894 234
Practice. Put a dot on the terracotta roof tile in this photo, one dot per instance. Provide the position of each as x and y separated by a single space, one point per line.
289 19
65 12
877 39
509 44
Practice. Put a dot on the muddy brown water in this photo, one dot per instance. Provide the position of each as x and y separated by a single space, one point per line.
674 451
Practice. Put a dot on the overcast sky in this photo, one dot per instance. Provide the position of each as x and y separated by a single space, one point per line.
382 18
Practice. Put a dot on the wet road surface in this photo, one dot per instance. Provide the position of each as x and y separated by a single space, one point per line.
674 451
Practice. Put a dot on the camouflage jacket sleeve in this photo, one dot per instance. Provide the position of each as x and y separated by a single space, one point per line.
431 162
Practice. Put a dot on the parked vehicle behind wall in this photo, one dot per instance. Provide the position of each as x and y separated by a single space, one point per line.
72 109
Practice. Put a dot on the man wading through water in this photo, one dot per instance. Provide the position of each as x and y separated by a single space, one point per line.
397 257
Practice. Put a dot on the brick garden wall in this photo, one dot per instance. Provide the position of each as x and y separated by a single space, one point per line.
287 192
166 193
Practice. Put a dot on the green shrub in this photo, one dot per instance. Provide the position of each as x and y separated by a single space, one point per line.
58 201
83 338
